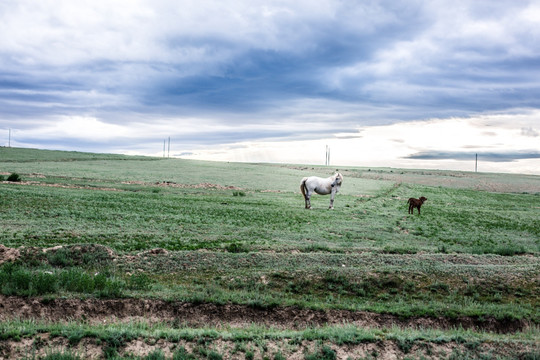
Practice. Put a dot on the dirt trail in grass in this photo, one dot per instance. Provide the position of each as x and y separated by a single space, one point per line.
99 311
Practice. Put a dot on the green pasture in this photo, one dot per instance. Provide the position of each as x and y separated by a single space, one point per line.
239 233
118 202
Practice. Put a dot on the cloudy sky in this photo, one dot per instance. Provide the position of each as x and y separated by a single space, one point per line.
415 84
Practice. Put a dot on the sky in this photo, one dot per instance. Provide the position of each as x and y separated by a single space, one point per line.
397 83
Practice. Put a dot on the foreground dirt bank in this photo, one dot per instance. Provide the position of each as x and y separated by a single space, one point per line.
102 311
92 348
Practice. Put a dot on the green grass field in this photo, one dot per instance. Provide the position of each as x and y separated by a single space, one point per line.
238 234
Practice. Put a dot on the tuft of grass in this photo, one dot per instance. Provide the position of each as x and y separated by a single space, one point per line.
16 279
155 355
503 250
212 355
62 356
183 354
139 281
60 257
14 177
237 248
325 353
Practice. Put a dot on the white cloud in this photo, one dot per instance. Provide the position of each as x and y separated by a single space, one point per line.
529 131
390 145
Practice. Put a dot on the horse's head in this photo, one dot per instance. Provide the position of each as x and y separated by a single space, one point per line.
338 179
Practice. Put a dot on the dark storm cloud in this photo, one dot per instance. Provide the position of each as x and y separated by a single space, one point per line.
244 63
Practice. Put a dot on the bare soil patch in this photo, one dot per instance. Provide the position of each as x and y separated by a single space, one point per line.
66 186
8 254
197 186
91 348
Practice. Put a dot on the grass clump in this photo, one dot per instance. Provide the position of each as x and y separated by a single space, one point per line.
60 258
14 177
16 279
139 281
237 248
62 356
325 353
183 354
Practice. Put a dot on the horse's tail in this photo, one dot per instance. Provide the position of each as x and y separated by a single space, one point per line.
409 201
303 187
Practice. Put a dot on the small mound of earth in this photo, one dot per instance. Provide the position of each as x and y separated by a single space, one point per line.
76 253
8 254
79 250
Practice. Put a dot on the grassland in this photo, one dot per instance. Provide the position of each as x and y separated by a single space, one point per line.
461 280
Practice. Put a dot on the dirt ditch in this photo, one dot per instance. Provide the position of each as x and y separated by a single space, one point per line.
99 311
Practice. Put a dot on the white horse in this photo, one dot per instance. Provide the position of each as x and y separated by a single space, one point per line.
321 186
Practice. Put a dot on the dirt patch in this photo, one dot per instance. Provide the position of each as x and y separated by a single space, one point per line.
76 253
66 186
99 311
44 344
197 186
159 184
8 254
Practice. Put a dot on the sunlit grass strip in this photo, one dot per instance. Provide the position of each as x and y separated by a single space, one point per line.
345 334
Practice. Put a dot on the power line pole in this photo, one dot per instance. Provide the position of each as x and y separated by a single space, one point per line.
327 157
476 164
163 147
9 138
169 148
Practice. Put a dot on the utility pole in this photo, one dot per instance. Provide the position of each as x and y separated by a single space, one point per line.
169 148
163 147
327 157
476 164
9 138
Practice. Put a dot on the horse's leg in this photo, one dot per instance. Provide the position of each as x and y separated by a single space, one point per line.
332 194
308 197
